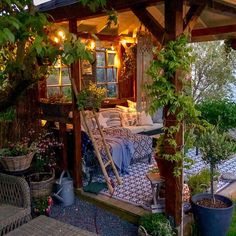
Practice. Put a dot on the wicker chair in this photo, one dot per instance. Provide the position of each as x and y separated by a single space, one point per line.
15 208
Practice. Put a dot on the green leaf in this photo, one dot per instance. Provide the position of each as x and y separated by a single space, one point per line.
10 36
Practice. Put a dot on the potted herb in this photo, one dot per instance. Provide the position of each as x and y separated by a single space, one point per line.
90 97
18 156
213 212
155 225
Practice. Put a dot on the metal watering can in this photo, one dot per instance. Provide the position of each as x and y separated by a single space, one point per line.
65 189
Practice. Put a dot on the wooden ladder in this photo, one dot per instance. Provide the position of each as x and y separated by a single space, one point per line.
110 161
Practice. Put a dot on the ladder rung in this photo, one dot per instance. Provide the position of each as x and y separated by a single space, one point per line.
107 164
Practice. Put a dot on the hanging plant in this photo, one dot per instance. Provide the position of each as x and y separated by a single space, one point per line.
174 58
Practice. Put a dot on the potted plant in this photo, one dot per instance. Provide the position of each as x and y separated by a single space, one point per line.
213 212
18 156
90 97
43 177
155 224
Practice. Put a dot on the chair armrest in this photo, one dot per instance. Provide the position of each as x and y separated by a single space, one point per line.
14 191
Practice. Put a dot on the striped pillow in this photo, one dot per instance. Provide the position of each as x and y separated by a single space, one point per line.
114 119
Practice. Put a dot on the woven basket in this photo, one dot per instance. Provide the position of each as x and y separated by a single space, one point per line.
42 188
18 163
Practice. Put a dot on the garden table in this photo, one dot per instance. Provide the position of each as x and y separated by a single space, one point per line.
46 226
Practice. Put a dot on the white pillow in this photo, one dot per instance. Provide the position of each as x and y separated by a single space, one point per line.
102 120
145 119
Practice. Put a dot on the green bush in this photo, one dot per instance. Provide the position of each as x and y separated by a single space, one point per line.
156 224
200 182
219 112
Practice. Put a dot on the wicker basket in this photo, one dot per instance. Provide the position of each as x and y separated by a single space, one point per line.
41 188
18 163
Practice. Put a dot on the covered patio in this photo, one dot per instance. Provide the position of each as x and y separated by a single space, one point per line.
142 24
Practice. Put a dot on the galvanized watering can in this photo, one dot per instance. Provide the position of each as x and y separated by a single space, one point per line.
65 189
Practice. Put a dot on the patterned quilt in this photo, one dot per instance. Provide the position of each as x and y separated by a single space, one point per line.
142 144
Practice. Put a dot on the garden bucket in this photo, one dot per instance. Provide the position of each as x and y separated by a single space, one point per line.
65 189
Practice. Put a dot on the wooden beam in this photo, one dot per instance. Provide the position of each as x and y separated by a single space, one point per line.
214 30
76 76
192 16
222 8
149 22
173 185
79 12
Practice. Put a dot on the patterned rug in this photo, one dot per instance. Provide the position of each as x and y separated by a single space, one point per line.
136 188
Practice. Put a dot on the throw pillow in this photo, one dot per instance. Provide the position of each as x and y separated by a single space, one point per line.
102 120
129 118
114 120
145 119
131 104
158 116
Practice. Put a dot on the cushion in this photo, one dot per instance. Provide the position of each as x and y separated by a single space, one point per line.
144 119
114 119
102 120
158 116
122 108
131 104
129 118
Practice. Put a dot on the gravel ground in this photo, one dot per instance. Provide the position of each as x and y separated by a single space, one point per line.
87 216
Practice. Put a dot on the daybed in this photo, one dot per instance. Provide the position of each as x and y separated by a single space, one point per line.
126 146
15 208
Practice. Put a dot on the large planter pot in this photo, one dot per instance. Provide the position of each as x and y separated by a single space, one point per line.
212 221
18 163
41 184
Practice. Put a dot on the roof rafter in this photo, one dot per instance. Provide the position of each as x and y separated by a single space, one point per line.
214 30
75 10
149 22
192 16
223 8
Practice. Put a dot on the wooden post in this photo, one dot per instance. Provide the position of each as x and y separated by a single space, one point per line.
76 75
174 185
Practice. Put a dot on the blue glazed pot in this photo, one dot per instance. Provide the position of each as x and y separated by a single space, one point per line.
212 221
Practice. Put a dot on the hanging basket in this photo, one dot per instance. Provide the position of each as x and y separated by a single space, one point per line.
18 163
142 231
41 183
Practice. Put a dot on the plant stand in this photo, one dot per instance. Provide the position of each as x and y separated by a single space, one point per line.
156 181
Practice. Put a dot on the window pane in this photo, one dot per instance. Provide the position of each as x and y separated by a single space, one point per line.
100 59
53 90
53 78
111 74
112 90
67 92
101 75
111 59
65 76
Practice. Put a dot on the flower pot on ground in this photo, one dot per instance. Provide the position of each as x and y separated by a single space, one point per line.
41 184
213 212
215 219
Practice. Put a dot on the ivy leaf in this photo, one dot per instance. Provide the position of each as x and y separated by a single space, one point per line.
9 35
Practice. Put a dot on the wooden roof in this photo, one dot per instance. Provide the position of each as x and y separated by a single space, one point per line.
209 19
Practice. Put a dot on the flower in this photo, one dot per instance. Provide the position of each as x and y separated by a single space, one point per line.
47 147
20 148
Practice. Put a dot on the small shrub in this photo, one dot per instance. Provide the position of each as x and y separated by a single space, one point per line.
156 224
200 182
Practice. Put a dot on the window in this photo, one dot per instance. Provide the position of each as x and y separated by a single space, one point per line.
58 81
106 71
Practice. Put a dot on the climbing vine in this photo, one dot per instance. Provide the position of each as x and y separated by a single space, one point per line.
173 59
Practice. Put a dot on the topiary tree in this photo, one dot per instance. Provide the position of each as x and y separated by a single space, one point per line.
215 147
